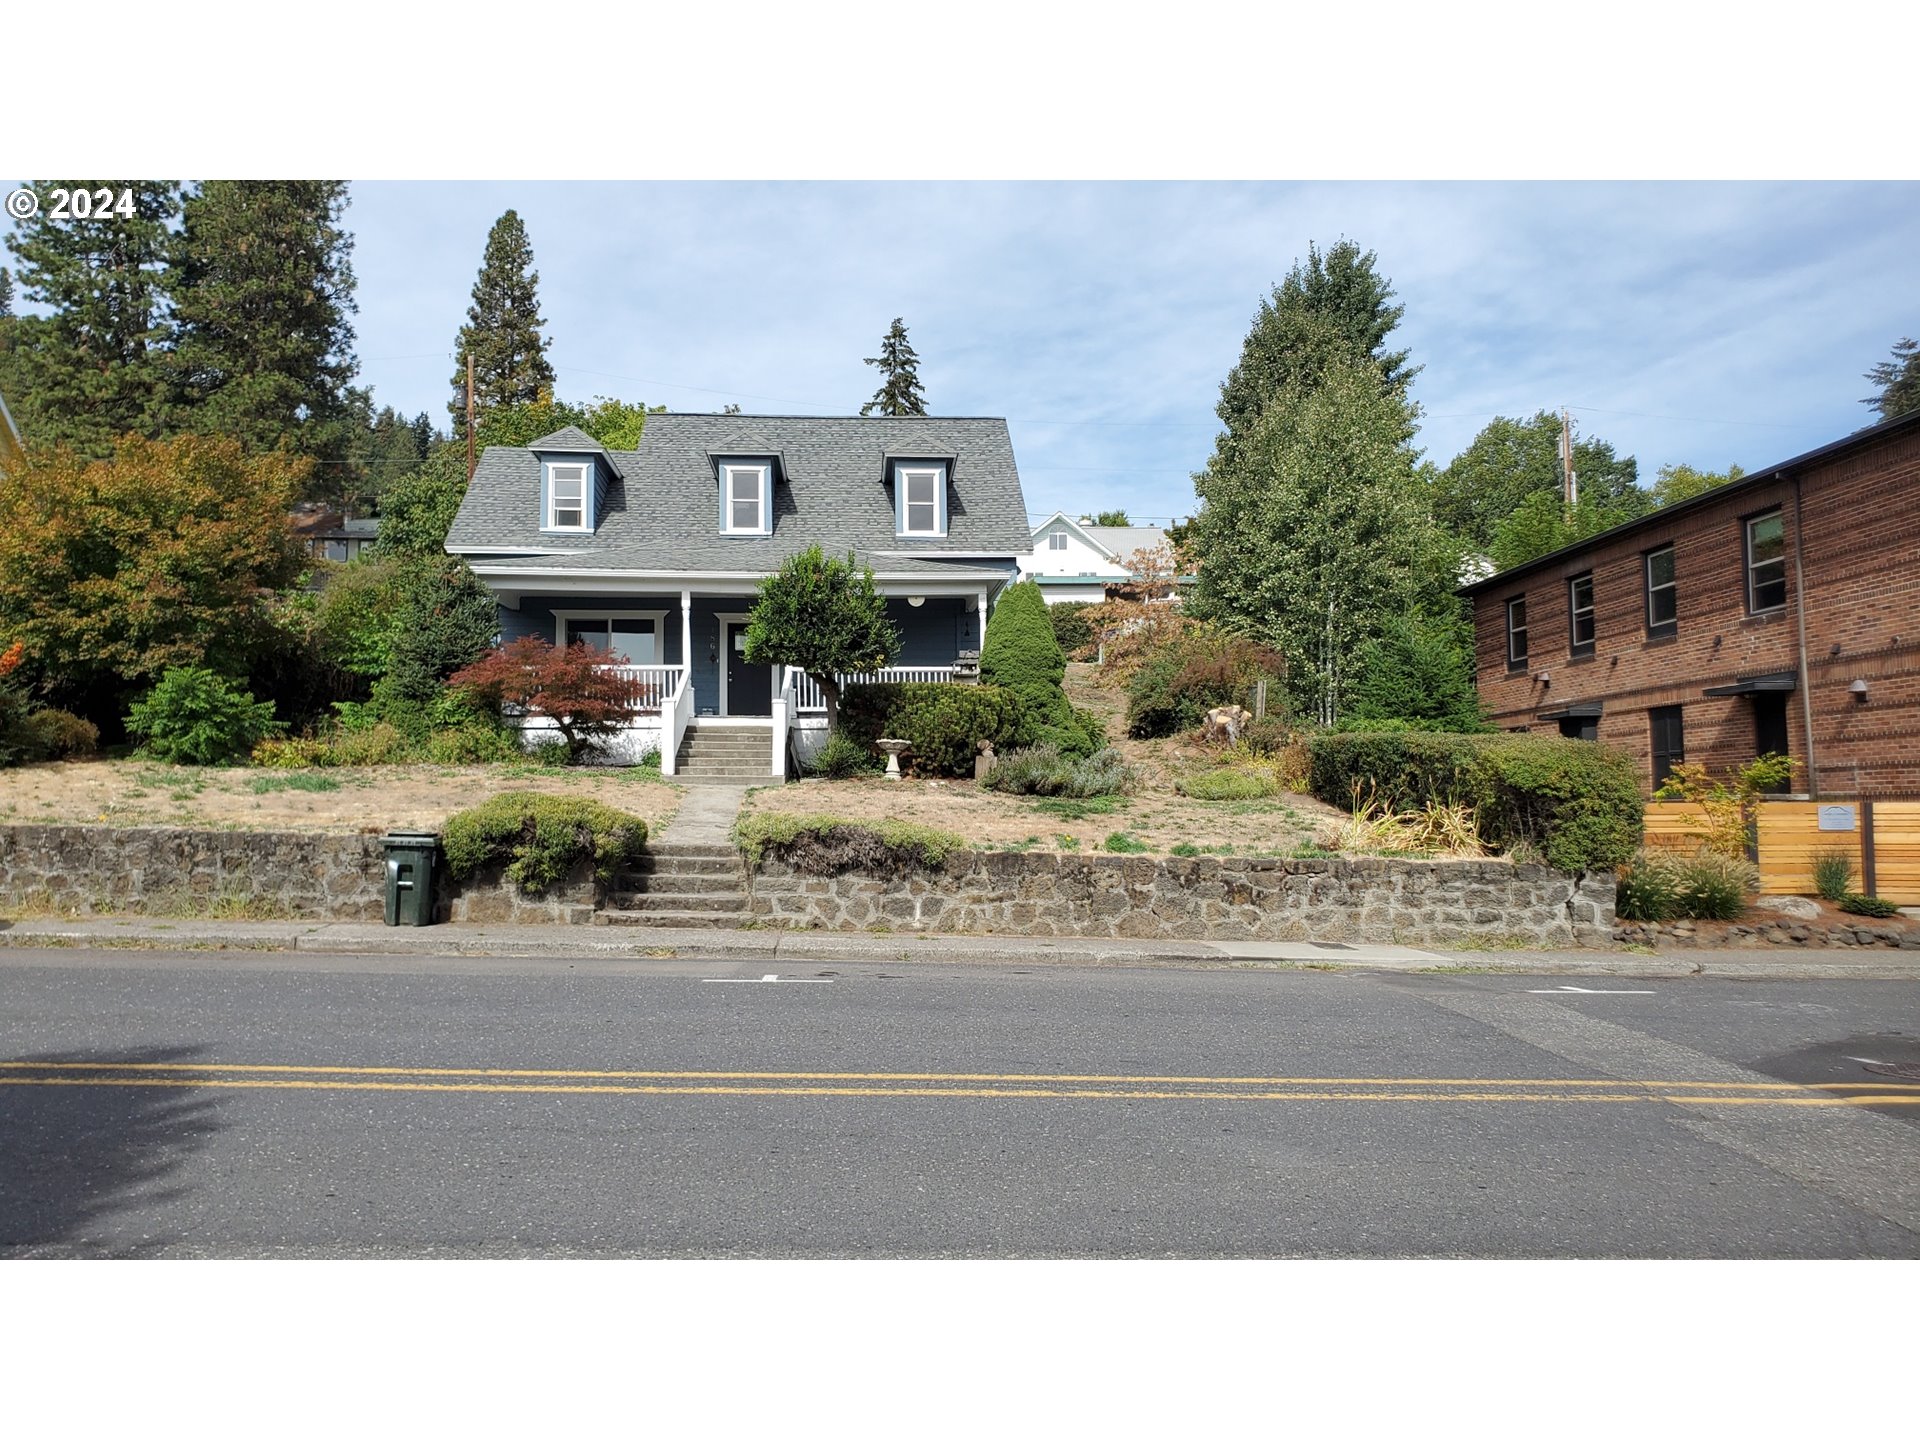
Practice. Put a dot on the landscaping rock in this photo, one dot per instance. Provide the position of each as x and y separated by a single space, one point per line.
1797 906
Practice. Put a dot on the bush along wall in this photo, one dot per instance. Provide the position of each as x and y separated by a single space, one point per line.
1577 803
942 722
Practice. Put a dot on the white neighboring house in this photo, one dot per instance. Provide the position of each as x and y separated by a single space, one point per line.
1072 560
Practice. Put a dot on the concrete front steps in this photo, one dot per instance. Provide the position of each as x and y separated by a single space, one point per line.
737 755
683 886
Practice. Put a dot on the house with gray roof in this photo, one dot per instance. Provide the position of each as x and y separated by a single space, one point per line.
1076 560
654 555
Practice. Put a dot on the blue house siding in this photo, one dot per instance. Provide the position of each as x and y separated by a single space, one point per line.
934 632
536 617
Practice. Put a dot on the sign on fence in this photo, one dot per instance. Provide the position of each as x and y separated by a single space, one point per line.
1836 817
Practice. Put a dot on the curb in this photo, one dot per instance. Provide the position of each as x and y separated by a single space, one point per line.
592 943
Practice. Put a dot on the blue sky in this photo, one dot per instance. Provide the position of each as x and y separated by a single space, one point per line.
1704 323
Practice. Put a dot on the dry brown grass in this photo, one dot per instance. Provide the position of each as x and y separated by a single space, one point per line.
368 799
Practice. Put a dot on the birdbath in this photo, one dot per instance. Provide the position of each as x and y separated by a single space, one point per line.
893 749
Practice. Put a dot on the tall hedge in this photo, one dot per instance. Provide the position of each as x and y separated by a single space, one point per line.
942 722
1577 802
1022 655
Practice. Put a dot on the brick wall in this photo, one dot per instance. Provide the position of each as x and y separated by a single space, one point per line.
1860 537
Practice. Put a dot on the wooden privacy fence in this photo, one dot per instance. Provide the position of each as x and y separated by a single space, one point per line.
1880 837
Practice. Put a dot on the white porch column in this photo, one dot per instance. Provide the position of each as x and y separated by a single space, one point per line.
981 639
686 633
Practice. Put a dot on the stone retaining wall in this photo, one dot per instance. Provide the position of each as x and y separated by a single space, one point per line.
105 869
1362 899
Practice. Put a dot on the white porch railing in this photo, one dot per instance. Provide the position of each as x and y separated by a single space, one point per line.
659 684
785 705
811 701
677 713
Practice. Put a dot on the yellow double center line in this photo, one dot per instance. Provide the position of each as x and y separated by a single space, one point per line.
942 1085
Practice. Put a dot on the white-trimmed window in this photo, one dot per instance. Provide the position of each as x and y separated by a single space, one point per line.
636 636
922 504
743 499
1057 540
566 497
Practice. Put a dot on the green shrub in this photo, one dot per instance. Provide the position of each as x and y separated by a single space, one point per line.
1648 889
471 745
1228 784
62 735
827 844
1577 802
1712 886
540 838
1043 770
943 723
268 784
377 744
291 753
195 717
1869 905
1022 655
1070 626
1121 843
842 757
1269 735
1832 875
1190 675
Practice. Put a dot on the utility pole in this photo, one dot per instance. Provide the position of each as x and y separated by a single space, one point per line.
469 417
1571 486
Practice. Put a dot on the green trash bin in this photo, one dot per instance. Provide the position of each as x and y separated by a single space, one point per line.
410 866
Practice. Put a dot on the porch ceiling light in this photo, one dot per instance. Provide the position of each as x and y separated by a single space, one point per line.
916 601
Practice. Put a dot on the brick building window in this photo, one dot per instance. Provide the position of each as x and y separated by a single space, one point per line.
1517 634
1663 595
1580 614
1669 742
1766 562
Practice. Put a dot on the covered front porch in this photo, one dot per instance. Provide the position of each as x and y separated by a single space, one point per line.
689 650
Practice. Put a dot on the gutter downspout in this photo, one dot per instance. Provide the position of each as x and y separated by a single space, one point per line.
1800 622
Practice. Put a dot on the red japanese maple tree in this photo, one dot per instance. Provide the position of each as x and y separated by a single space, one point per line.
587 699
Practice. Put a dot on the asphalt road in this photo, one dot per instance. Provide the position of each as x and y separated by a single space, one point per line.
305 1105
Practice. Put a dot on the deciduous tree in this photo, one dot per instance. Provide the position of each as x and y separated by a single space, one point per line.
823 616
1316 533
1510 460
899 367
111 571
1683 482
587 701
502 332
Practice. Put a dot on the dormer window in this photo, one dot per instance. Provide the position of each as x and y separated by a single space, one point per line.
920 498
1057 540
744 499
567 497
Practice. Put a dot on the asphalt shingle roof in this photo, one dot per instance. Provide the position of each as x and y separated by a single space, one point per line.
832 488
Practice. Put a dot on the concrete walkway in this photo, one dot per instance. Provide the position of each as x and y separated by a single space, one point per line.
705 816
814 946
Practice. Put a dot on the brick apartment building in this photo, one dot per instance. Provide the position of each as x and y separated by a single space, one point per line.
1777 613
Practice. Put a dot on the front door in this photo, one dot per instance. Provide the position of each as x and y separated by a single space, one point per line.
749 687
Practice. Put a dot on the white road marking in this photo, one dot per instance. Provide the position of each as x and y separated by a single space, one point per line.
763 980
1576 990
1865 1061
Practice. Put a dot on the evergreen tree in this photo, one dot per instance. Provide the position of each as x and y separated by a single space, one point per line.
1330 309
502 332
1420 671
90 372
6 293
899 367
1316 534
263 346
1899 380
1112 517
1511 460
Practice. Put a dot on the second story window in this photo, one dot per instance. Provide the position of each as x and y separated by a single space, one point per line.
1663 595
744 499
566 497
919 501
1766 562
1057 540
1580 614
1517 634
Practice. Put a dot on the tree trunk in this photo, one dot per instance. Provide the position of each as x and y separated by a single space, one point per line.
830 694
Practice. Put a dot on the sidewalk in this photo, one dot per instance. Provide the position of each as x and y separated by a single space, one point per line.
771 946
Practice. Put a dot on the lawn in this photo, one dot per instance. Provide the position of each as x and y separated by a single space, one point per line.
369 799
